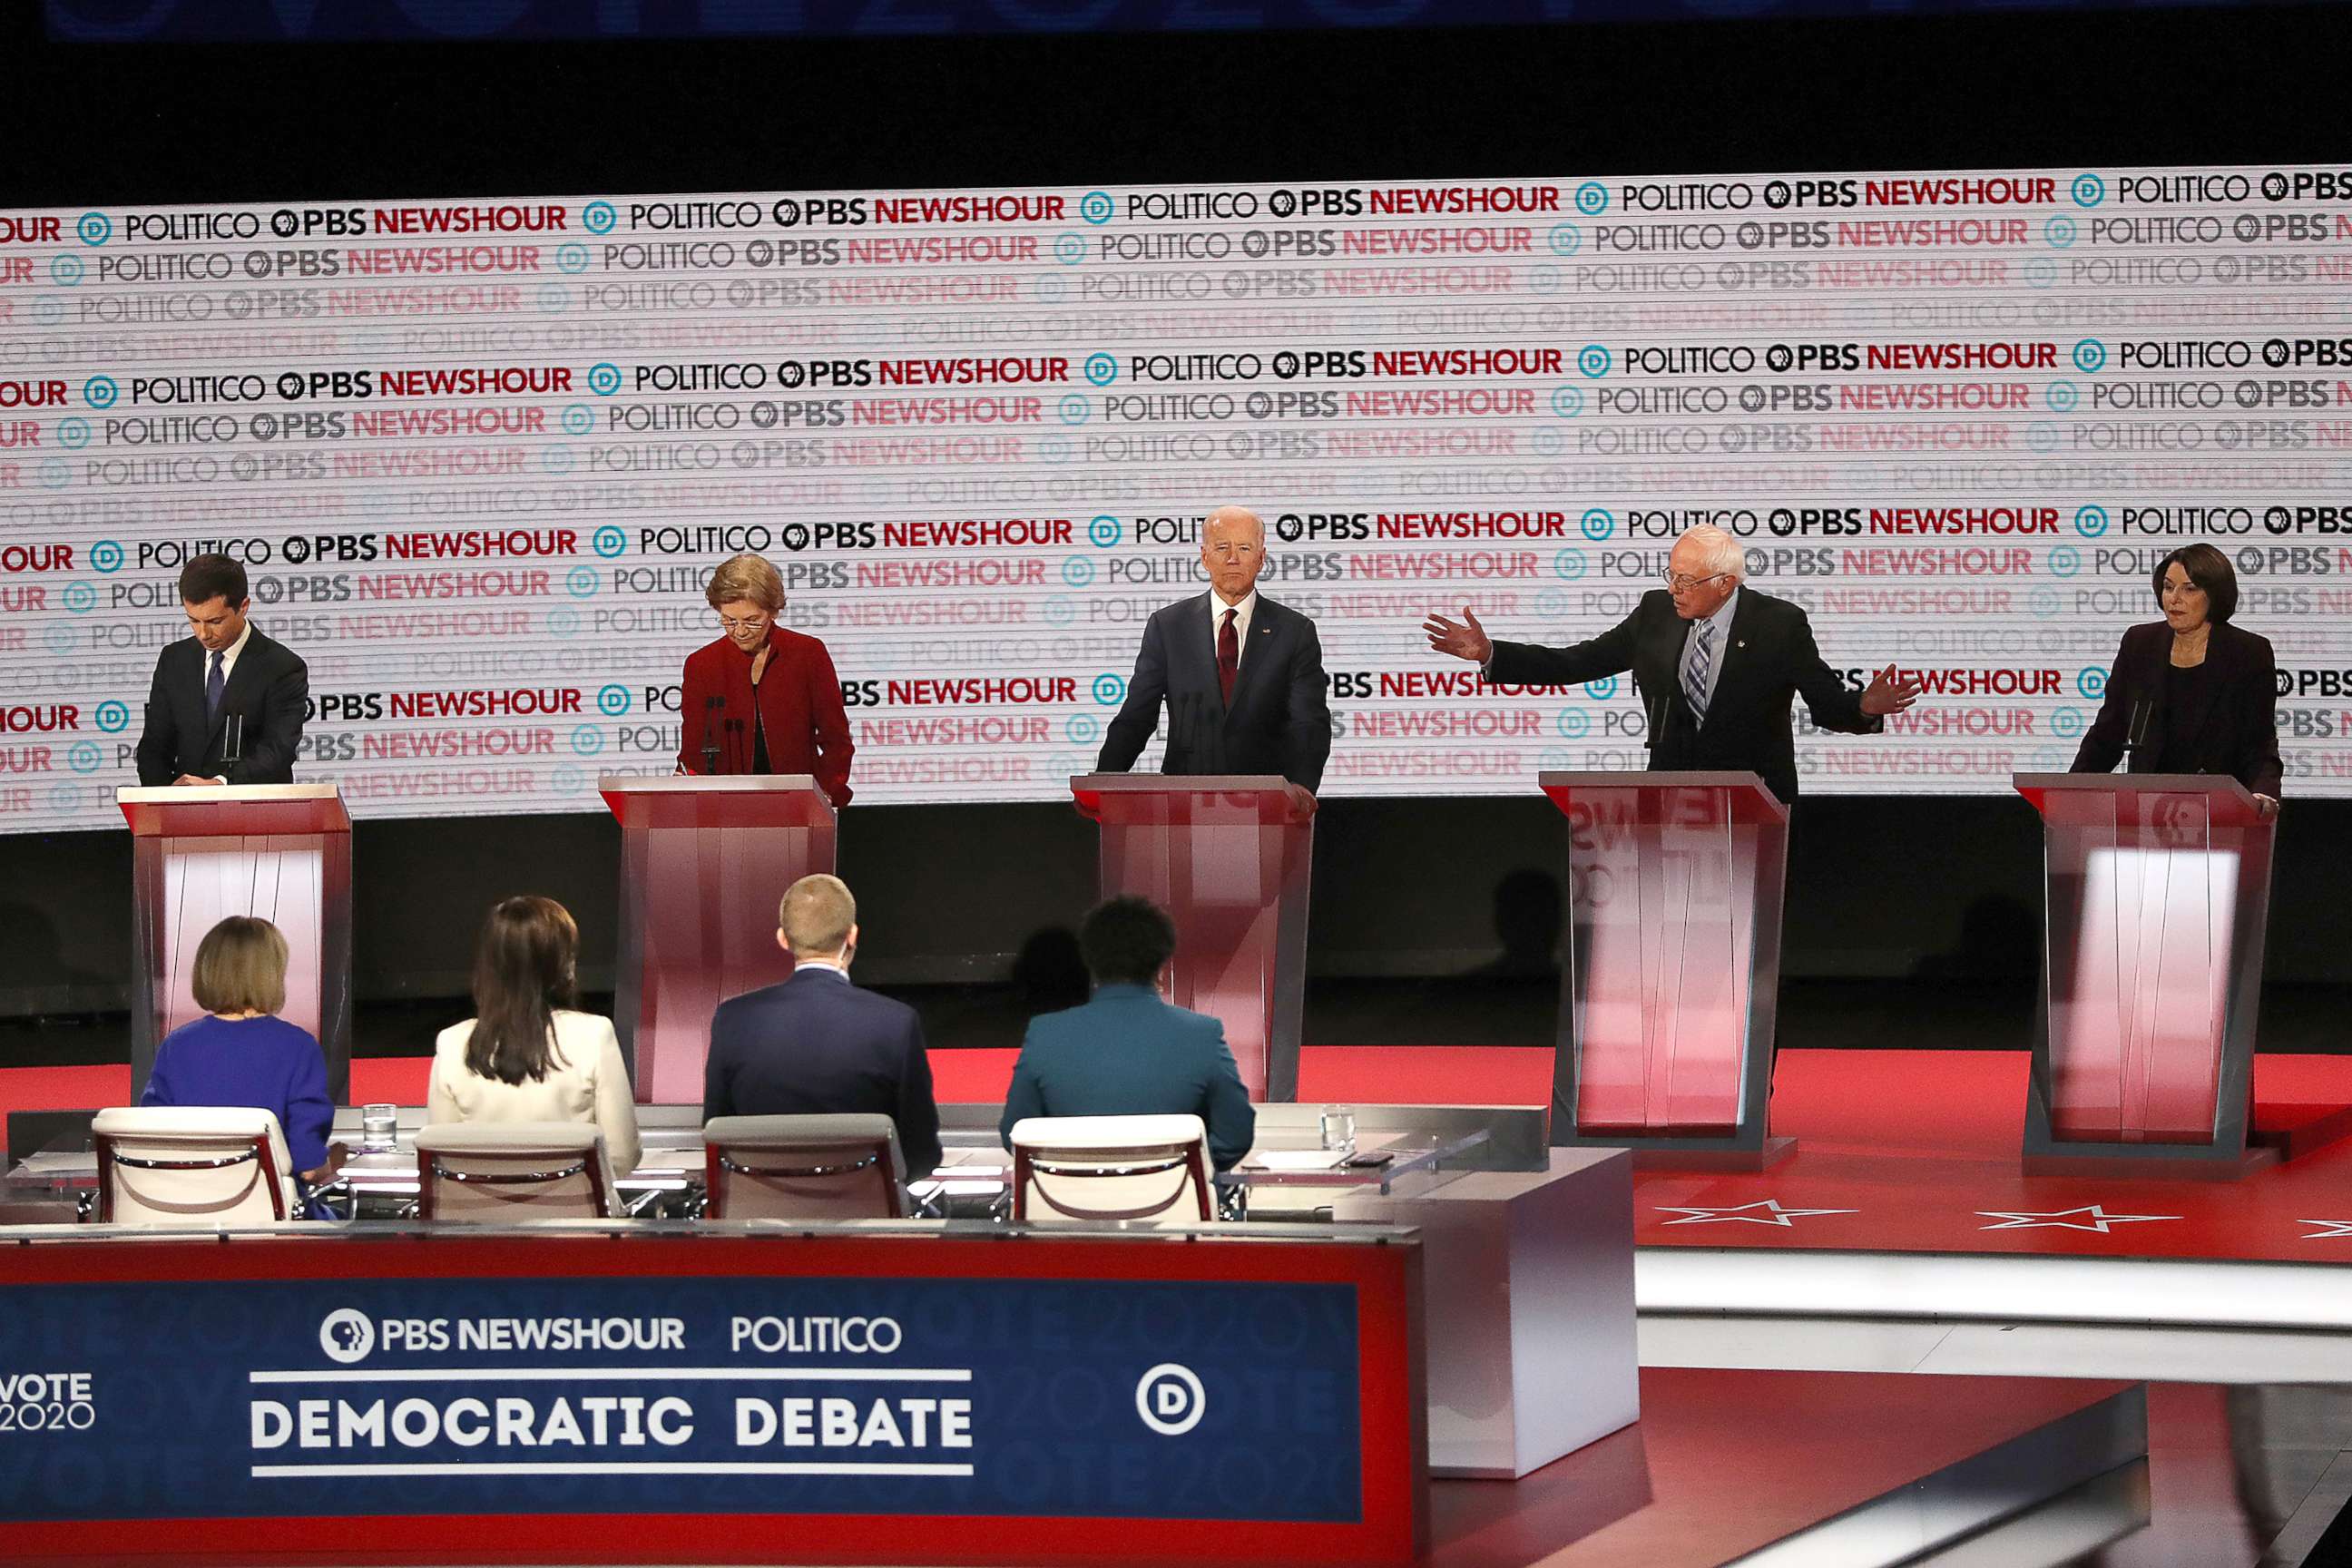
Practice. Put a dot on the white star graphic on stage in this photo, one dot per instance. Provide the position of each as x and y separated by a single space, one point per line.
1773 1214
2336 1227
2096 1219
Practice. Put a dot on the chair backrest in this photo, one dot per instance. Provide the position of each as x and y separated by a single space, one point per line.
503 1172
192 1165
804 1167
1147 1170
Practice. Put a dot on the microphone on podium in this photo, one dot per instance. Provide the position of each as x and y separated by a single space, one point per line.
2143 712
710 705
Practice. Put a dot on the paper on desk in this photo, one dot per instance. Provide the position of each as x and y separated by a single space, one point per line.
1298 1159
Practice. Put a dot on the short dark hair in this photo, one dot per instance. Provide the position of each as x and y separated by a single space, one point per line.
2209 570
209 577
1127 941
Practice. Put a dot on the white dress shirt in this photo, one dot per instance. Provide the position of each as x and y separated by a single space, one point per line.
1242 614
228 668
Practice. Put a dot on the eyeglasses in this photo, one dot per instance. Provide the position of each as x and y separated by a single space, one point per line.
1681 583
748 624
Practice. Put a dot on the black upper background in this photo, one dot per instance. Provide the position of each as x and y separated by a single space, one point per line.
1878 886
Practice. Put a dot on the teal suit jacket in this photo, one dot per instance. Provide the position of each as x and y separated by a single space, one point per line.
1127 1053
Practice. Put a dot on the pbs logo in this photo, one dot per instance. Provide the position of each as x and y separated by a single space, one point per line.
1170 1399
347 1335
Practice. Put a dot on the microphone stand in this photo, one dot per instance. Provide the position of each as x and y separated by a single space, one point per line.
2143 713
710 743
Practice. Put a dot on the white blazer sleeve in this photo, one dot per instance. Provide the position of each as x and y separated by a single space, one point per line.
440 1104
617 1108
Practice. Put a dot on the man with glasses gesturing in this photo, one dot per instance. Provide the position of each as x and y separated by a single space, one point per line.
1718 665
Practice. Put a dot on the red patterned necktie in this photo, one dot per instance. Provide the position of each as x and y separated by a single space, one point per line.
1229 656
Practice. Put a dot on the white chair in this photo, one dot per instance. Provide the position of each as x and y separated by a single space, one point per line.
192 1165
498 1173
803 1167
1143 1169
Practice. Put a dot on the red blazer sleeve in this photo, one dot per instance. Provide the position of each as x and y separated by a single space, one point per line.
695 688
833 747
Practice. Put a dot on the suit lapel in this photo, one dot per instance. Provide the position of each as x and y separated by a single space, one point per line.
1732 656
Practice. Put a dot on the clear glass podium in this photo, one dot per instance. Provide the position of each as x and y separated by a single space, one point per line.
197 856
2158 896
1221 854
704 863
1672 977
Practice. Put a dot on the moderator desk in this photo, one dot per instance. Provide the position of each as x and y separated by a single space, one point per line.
598 1392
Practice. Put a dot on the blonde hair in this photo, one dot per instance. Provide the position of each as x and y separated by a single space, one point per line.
747 577
817 914
240 967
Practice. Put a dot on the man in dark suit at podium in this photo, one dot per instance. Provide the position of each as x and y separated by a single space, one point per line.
1127 1052
1718 665
817 1045
226 704
1242 676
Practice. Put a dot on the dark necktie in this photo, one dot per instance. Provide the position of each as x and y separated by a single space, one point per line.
215 683
1229 656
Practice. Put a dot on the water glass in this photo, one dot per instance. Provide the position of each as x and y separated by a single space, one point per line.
1339 1128
379 1126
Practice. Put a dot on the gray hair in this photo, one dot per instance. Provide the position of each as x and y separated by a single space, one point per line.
1719 552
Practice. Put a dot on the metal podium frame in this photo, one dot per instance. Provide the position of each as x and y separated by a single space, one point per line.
1238 894
1628 994
704 860
2111 934
279 851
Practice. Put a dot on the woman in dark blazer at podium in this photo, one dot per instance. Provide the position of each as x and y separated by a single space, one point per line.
2192 693
761 699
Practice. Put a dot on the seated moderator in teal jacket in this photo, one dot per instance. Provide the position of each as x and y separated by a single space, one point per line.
1127 1053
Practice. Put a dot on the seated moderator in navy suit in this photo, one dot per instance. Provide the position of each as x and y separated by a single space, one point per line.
1718 665
1127 1052
1242 676
226 704
817 1045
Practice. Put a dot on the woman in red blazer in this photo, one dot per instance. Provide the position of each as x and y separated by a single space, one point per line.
761 699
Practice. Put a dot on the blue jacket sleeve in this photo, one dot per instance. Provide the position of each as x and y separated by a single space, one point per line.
1226 1106
919 1107
1024 1098
160 1089
308 1113
717 1072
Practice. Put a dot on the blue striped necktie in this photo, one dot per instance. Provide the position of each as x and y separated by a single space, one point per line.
1695 669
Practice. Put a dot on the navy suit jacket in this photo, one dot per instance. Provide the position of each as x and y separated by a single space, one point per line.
1771 661
1127 1053
270 687
1278 722
818 1045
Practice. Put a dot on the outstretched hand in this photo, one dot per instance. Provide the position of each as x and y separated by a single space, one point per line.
1468 641
1885 694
